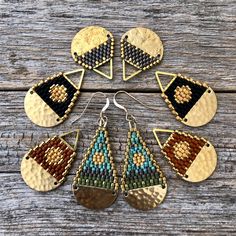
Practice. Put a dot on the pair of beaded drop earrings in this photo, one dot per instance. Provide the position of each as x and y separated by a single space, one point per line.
96 183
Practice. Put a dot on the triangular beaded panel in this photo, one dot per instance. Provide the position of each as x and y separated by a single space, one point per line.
181 149
137 57
97 168
140 168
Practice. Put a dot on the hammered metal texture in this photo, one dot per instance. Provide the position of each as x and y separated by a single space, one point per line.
146 40
203 166
146 198
36 177
87 39
203 111
95 198
39 112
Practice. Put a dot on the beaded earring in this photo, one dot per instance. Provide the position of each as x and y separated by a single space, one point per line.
192 102
49 102
143 183
193 158
93 47
45 166
95 185
142 49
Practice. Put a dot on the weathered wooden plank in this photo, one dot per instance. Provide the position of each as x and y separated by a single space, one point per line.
199 39
206 208
19 134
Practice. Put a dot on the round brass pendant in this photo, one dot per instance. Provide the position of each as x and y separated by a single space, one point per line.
146 198
94 197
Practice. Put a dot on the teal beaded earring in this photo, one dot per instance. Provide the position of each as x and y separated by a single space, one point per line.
143 183
95 185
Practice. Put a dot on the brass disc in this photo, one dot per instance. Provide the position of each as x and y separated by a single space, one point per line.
146 40
203 111
95 198
146 198
36 177
39 112
87 39
204 164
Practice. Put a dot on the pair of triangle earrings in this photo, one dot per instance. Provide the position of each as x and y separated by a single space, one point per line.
49 102
96 183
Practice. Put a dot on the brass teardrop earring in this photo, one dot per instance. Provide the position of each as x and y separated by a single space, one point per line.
93 47
193 158
95 185
192 102
45 166
143 183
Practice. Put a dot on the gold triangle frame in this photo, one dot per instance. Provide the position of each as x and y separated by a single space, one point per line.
73 72
76 138
124 72
157 73
103 74
161 131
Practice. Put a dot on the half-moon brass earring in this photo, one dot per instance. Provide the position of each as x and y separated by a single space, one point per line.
143 183
95 185
193 158
142 48
192 102
49 102
93 47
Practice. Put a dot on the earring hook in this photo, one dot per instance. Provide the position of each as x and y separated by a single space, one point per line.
102 121
129 117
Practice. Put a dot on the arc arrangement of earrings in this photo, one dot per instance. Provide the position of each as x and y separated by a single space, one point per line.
96 184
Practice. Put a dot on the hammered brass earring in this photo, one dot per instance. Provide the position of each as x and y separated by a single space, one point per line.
95 185
49 102
143 183
192 157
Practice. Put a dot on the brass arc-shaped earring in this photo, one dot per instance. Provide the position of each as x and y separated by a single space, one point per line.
95 185
143 183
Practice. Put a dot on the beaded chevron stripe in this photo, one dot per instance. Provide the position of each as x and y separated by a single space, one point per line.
140 168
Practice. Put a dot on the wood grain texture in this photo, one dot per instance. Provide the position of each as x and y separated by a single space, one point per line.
199 41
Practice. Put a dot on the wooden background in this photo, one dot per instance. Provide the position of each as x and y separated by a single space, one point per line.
199 41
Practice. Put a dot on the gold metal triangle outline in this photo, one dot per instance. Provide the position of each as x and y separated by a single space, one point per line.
76 138
73 72
130 76
160 131
110 76
157 73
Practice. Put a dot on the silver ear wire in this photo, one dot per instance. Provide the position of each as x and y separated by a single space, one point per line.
102 121
129 117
